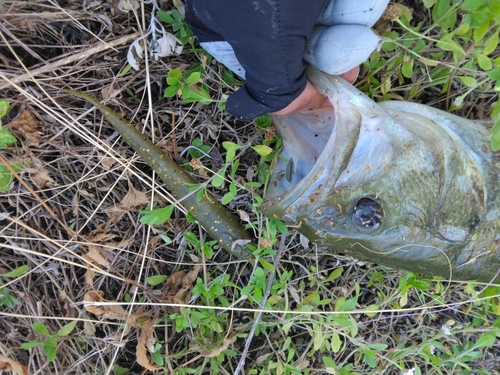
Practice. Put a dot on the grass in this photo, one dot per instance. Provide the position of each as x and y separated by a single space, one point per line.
89 287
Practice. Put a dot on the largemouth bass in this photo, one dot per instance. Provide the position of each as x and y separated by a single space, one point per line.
400 184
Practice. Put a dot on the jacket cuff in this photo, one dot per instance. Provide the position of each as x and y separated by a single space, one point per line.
243 105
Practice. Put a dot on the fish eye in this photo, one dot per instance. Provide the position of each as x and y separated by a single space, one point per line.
368 214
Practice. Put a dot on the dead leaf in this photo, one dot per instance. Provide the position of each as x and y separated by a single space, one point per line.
7 364
153 243
270 133
141 352
89 277
106 161
134 198
37 172
243 216
27 126
101 234
304 364
71 312
114 312
128 5
178 286
95 254
115 212
40 177
262 358
304 241
98 246
294 294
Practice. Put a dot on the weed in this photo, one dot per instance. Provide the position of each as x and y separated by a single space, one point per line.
179 25
49 344
6 139
456 52
5 297
189 87
156 215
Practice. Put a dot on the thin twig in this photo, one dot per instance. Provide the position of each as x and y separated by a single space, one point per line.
256 322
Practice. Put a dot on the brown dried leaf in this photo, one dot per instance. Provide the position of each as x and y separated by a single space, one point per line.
141 351
115 312
37 172
119 245
40 177
115 213
27 126
270 133
134 198
96 254
140 319
303 364
262 358
128 5
179 284
295 295
243 216
7 364
100 234
89 277
106 161
196 163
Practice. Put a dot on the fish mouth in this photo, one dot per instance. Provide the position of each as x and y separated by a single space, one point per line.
318 145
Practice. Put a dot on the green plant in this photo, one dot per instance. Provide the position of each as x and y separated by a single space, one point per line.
207 247
189 87
456 51
6 139
52 339
156 215
179 26
5 297
207 327
119 370
156 355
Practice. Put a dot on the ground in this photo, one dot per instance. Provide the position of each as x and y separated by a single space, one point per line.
73 237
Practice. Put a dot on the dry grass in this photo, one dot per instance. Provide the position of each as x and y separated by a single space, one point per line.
72 218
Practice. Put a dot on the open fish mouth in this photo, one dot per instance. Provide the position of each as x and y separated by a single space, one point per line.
396 183
319 144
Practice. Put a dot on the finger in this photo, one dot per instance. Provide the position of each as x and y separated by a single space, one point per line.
351 75
309 99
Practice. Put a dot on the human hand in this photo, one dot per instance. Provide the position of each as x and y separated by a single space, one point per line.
312 99
337 46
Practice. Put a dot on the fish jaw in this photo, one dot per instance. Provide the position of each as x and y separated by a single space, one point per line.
318 144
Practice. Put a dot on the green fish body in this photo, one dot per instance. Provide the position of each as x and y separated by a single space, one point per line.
397 183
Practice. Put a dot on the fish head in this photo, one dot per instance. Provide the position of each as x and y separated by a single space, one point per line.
386 185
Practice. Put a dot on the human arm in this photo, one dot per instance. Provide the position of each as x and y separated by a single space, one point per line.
268 39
